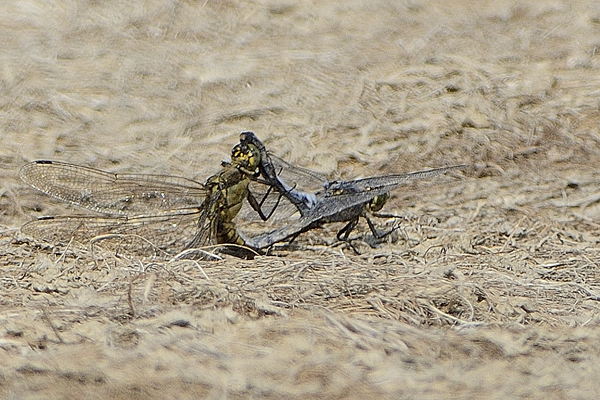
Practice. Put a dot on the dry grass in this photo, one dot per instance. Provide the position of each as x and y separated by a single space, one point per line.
490 288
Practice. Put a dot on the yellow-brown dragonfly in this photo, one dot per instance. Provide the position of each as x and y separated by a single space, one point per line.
171 213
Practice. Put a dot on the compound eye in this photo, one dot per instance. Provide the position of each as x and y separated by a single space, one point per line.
236 152
254 161
253 156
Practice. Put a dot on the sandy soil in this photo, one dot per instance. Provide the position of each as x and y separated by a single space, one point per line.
491 288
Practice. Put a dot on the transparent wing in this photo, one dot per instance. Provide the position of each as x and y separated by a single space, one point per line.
170 233
113 194
298 177
381 184
206 228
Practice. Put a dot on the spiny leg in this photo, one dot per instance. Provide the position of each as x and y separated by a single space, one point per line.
257 206
386 215
378 235
343 233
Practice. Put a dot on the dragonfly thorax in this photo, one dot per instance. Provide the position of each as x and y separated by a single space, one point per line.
377 202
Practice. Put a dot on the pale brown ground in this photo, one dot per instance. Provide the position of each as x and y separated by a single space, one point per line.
492 289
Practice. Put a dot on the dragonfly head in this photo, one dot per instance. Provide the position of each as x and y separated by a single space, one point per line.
378 202
246 157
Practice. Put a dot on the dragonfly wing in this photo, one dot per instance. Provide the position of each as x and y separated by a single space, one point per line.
170 234
206 225
299 177
113 194
347 196
378 185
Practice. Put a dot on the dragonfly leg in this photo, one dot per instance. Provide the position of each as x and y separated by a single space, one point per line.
276 203
343 234
377 234
257 206
294 237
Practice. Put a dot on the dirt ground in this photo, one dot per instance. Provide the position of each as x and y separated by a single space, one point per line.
491 287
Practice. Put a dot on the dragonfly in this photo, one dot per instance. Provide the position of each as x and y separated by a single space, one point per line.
172 213
337 201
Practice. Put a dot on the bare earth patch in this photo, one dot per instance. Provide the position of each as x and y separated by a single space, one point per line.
489 288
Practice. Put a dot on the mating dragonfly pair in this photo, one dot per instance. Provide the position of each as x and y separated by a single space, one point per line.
175 214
